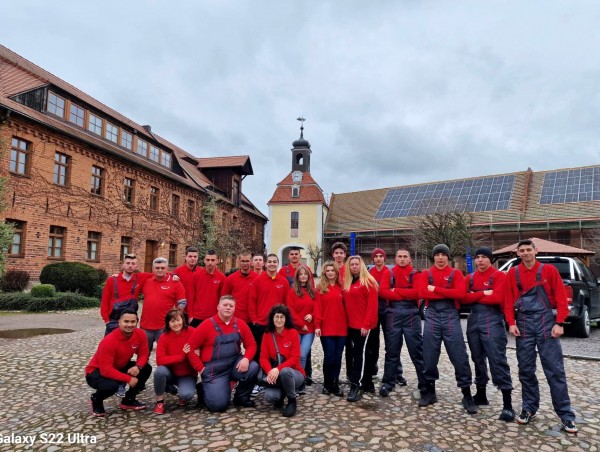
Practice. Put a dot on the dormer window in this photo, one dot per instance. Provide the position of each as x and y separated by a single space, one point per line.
295 191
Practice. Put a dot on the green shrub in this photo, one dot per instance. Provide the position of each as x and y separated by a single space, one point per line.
71 277
15 281
43 290
59 302
102 275
98 291
14 301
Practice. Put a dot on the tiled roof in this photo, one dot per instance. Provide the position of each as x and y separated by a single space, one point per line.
355 211
18 75
546 247
310 192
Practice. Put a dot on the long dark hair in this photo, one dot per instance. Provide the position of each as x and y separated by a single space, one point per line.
279 309
172 314
309 284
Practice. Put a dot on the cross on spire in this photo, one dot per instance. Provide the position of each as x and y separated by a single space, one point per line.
301 119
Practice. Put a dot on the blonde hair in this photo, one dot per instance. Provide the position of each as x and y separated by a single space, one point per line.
323 286
366 279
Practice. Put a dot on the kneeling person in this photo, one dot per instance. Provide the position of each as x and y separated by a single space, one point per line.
111 365
219 340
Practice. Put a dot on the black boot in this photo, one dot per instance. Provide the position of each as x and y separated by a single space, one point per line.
508 414
355 393
290 408
481 396
468 402
428 396
337 391
279 403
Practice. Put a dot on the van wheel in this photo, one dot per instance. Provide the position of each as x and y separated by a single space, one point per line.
581 326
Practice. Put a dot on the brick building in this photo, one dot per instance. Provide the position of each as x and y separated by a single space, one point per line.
87 184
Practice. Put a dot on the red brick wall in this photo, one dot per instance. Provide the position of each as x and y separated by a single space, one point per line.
40 203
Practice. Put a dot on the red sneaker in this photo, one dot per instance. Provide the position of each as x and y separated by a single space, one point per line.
159 408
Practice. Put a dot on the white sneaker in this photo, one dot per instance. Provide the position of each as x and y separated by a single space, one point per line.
257 390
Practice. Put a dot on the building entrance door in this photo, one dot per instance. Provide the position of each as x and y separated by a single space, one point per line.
150 255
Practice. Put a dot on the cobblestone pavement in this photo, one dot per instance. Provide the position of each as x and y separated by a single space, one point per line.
43 393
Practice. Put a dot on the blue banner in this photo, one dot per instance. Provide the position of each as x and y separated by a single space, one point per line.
352 243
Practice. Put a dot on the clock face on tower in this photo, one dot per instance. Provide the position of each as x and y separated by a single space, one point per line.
297 176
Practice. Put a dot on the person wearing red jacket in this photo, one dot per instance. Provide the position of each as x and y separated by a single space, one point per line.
301 302
331 326
172 362
486 334
112 365
360 298
403 320
238 285
442 288
339 251
207 287
121 292
288 271
280 360
161 294
532 290
219 341
258 263
187 271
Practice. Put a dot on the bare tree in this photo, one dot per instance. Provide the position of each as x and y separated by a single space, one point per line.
315 251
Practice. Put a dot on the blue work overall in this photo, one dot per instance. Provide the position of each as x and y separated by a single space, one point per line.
403 322
535 320
221 369
442 323
486 335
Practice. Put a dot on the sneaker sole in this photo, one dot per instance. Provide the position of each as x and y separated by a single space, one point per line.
132 408
94 413
524 422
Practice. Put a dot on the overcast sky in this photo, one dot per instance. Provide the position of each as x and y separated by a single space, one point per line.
393 92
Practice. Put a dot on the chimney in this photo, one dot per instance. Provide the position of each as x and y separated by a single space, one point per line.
148 128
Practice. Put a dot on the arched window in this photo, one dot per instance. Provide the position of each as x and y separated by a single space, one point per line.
294 224
295 191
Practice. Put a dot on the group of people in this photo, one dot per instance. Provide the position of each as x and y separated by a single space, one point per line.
254 330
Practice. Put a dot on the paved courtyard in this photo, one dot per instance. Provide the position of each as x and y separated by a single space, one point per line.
43 393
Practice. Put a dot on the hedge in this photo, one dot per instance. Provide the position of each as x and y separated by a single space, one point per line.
62 301
43 290
71 277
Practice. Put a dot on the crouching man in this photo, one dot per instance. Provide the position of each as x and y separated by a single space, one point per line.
112 365
216 353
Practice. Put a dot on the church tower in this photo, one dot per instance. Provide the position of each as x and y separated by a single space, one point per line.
297 209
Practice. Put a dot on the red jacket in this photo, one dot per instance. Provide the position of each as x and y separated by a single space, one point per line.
238 285
330 313
169 352
289 347
478 281
300 307
443 291
115 351
551 282
405 286
203 338
265 293
381 276
207 291
159 298
187 279
123 288
361 306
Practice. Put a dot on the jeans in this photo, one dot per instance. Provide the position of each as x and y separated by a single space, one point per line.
306 341
289 379
333 350
186 384
152 336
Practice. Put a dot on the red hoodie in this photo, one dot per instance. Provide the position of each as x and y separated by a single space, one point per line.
238 285
361 306
403 288
169 352
266 292
330 313
300 307
443 291
491 279
207 291
289 347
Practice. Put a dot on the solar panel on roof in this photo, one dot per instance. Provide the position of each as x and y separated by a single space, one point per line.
474 195
574 185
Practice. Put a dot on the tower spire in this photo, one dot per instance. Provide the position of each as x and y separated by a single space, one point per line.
301 119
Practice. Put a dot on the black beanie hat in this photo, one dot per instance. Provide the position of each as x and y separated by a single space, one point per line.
441 248
484 251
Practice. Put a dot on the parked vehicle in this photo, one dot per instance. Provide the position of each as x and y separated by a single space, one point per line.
583 291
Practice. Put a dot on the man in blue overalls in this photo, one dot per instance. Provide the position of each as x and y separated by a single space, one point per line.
216 353
532 291
443 287
486 333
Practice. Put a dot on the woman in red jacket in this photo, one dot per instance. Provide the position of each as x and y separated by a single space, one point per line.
331 326
173 367
301 301
280 359
360 299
